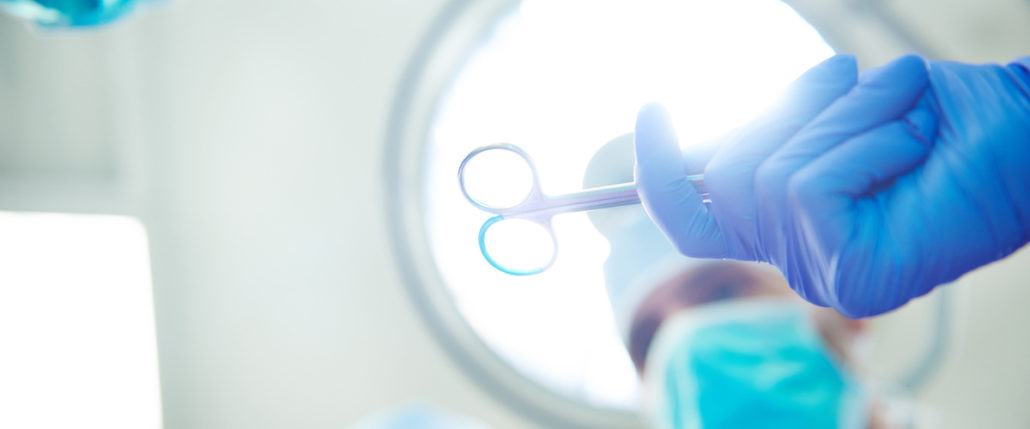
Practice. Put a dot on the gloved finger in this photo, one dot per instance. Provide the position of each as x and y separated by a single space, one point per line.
695 159
826 188
882 95
812 92
730 175
826 194
666 194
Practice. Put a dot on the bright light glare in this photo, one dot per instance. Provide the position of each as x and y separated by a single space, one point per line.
519 245
559 79
498 178
77 332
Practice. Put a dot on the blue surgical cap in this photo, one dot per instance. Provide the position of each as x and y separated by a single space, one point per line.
640 257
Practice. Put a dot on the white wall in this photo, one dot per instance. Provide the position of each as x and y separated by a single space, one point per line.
249 137
278 302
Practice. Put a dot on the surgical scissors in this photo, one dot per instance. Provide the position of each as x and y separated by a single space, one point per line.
540 208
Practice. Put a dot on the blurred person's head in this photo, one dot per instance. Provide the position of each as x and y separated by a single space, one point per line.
720 343
703 284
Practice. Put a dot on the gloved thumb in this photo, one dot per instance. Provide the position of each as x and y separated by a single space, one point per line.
657 147
668 196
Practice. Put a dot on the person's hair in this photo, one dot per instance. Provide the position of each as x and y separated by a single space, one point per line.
640 338
710 282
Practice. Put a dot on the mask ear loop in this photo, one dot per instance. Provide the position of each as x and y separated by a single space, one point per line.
901 410
930 363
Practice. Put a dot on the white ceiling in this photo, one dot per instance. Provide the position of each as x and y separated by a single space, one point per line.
247 135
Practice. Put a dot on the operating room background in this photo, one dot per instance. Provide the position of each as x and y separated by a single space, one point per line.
248 137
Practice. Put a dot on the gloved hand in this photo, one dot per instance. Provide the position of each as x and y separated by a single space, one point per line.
863 200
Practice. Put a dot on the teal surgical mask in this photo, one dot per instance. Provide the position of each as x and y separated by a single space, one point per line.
749 363
68 13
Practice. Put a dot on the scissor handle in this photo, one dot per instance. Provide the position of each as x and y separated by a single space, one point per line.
513 270
538 208
534 191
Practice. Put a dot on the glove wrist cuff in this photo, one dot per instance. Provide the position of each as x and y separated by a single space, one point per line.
1020 72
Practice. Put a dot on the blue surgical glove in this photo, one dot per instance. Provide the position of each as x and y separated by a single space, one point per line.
907 180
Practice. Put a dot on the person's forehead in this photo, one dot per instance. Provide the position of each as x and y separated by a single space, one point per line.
716 281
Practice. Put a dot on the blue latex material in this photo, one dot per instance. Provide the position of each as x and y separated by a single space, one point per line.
69 13
864 192
743 364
